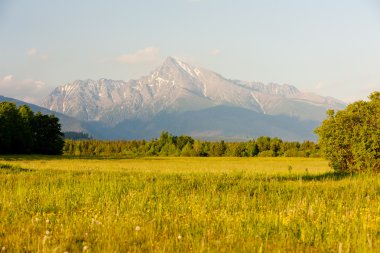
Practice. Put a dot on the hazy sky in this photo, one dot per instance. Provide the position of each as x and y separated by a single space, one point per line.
331 47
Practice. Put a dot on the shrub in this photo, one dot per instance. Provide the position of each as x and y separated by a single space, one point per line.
350 139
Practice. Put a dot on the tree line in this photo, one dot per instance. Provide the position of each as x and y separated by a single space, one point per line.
76 136
23 132
169 145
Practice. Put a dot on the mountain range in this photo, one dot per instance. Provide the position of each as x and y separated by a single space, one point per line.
184 99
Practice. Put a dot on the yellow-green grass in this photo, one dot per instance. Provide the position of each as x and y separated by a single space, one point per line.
185 205
175 165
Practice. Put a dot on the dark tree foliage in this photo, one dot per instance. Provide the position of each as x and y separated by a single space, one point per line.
350 139
48 138
23 132
169 145
76 136
9 128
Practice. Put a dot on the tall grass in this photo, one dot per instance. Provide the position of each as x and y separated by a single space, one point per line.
186 205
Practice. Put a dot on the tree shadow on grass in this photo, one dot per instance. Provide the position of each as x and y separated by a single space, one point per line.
11 169
328 176
64 157
29 157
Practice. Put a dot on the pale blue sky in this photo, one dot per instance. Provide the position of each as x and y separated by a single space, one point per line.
331 47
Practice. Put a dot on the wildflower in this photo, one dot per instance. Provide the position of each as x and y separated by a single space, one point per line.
3 248
85 248
47 232
137 228
37 220
47 221
179 237
96 221
44 239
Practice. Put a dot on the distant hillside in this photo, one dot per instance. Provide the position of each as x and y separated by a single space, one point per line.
216 123
68 123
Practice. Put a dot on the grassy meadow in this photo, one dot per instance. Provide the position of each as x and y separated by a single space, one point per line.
65 204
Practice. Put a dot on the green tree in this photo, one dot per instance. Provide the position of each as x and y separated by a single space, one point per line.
350 139
252 148
183 140
9 127
236 149
26 142
275 146
218 148
187 150
48 138
263 143
197 148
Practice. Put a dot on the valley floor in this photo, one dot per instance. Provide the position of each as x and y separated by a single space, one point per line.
185 205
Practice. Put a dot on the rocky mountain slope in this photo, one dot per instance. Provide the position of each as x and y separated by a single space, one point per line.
176 88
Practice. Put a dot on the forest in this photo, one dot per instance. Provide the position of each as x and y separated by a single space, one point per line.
169 145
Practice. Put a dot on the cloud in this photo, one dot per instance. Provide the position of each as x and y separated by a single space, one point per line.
7 78
44 57
39 84
146 55
215 52
319 86
31 51
28 90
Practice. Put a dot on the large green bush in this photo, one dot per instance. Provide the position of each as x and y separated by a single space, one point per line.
350 139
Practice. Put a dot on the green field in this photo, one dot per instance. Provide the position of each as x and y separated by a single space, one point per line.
185 205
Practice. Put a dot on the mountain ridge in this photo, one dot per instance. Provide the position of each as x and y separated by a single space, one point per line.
176 86
176 90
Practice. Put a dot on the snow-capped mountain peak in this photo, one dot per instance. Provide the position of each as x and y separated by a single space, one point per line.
177 86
